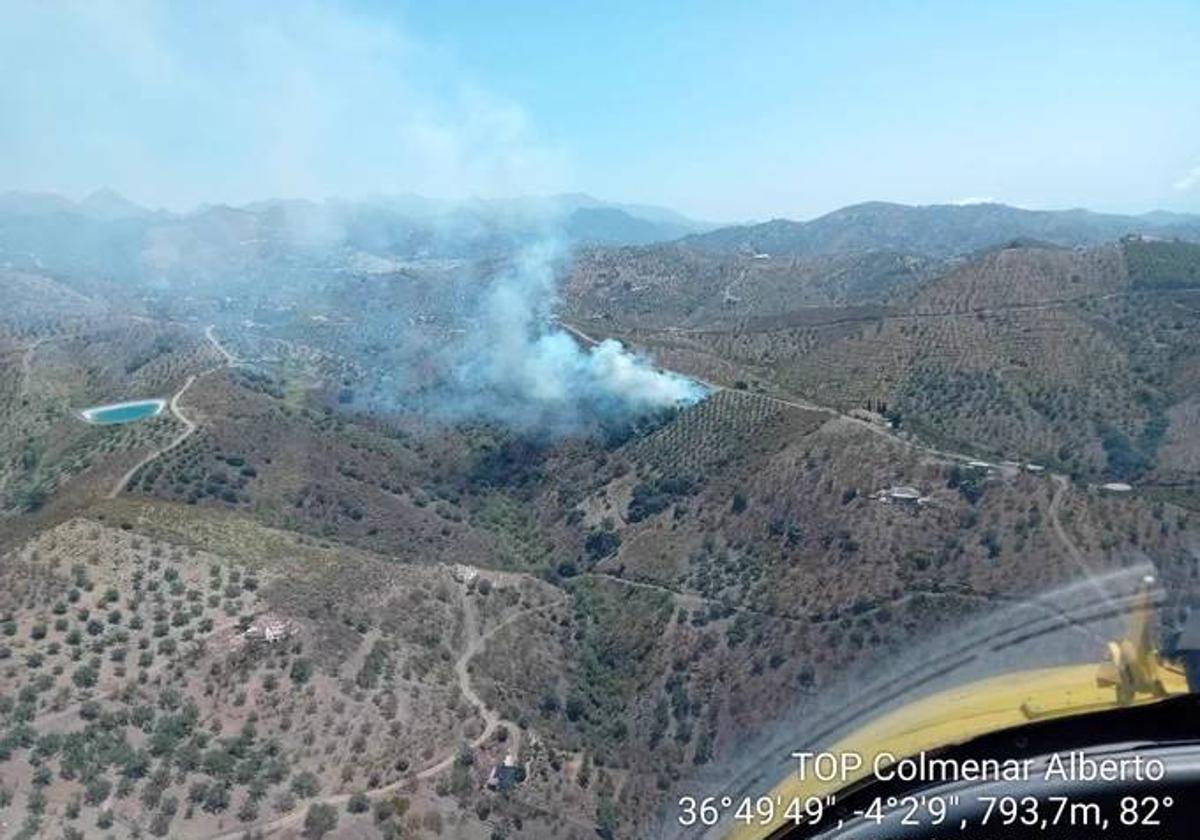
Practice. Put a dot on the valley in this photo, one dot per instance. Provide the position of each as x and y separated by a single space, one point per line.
317 594
530 421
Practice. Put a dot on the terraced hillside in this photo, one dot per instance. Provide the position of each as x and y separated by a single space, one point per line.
671 286
191 676
278 606
771 563
68 364
1066 357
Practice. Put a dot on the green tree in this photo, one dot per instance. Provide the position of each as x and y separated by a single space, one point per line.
359 803
606 818
306 785
301 671
320 820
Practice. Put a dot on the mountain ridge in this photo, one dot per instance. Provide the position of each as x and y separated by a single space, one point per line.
938 229
391 222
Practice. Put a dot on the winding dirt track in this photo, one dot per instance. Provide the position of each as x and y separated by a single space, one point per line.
27 366
476 642
189 425
874 428
230 359
1061 481
1072 549
1062 485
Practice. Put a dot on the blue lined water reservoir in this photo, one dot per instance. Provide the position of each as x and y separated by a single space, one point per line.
126 412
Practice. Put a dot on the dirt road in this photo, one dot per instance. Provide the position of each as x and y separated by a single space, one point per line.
27 366
476 641
875 428
189 425
1062 484
230 359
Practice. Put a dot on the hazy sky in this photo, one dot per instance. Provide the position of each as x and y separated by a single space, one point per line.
724 110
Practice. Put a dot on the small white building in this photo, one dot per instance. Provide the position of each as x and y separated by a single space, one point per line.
269 630
900 494
463 573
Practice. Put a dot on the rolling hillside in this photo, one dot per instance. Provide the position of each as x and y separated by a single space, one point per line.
619 612
1073 358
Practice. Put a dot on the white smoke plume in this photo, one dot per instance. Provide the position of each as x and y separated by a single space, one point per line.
521 369
314 99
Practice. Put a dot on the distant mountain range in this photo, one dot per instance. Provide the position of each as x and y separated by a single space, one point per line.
403 225
106 234
104 204
937 230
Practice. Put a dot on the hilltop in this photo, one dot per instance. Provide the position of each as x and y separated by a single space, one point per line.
619 611
1081 359
404 226
937 229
